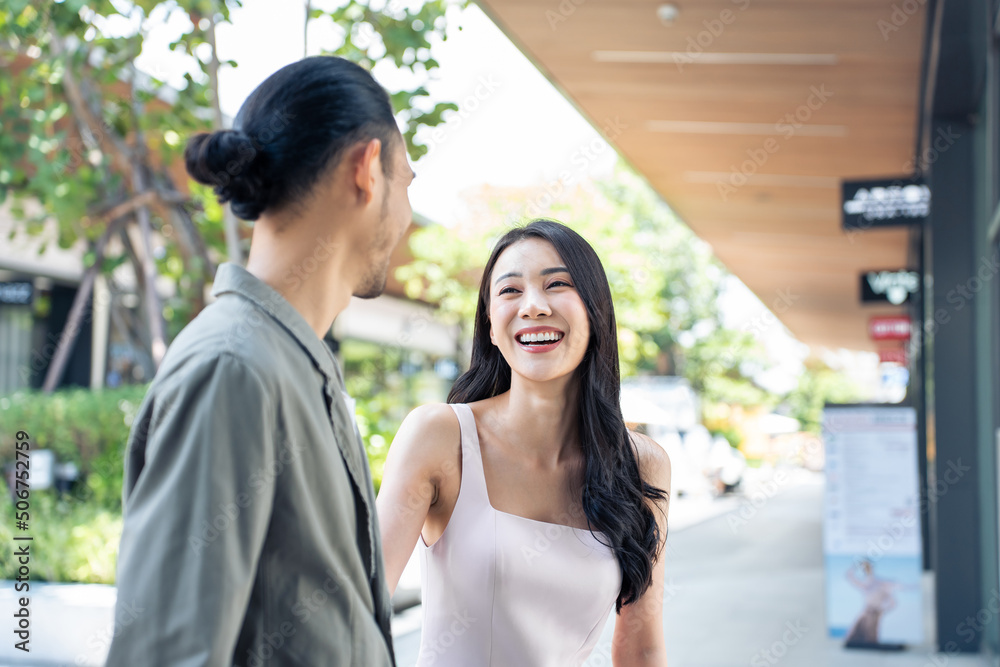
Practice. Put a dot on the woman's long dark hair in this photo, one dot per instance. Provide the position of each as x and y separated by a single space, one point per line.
614 494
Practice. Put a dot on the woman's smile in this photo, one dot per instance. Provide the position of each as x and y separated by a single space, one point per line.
539 339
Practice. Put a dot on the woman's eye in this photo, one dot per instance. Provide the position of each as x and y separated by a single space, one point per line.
505 290
560 282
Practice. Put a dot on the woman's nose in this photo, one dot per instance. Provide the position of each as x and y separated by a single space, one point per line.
535 304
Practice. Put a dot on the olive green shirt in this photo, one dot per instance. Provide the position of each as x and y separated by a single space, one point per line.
250 535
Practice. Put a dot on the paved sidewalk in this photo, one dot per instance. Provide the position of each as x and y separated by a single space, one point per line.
71 624
731 596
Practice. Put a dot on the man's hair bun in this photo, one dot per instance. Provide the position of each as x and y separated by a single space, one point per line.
290 132
230 162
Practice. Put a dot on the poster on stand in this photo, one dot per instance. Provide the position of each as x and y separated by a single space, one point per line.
871 526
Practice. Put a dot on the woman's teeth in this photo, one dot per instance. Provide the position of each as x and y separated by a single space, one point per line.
540 338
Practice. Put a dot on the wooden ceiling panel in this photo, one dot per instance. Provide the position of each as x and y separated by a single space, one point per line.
795 156
638 110
844 28
883 84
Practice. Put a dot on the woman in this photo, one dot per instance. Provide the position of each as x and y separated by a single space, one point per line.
537 510
880 599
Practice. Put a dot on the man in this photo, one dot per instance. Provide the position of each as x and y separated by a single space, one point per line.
250 535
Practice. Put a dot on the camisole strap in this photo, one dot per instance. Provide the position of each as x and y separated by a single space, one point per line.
473 485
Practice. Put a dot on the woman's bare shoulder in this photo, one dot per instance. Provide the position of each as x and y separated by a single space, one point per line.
430 425
654 462
432 416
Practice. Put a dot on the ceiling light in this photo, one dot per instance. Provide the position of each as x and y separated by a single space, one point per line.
710 127
667 13
758 179
661 57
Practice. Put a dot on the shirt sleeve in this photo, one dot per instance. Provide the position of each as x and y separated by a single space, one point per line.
196 518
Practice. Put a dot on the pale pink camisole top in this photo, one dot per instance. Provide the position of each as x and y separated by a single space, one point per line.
502 590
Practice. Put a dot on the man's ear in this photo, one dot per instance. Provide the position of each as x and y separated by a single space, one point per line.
367 162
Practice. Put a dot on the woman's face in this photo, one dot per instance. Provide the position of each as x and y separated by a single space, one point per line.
537 317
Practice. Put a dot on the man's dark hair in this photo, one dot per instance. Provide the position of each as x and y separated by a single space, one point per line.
292 130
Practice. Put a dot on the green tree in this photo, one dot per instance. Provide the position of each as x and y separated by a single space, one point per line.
391 32
720 367
818 385
91 140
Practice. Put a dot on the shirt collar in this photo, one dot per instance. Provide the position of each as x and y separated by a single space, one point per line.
231 277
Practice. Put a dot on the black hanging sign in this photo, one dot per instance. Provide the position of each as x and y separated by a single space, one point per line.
868 204
893 287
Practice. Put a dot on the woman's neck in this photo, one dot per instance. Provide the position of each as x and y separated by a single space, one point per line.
540 419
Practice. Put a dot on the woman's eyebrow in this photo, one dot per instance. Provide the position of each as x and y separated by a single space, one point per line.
544 272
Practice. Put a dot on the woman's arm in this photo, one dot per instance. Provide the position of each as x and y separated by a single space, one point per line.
853 578
638 638
424 456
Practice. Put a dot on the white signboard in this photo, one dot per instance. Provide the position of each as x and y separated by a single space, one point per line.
871 527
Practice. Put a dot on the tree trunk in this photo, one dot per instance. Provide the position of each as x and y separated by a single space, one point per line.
305 30
188 230
230 222
75 319
88 115
154 309
140 280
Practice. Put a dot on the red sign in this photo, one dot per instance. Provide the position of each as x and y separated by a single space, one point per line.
896 327
892 356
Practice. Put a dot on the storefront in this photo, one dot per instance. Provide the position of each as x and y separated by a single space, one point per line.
959 155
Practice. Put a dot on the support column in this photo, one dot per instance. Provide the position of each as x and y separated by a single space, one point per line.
953 452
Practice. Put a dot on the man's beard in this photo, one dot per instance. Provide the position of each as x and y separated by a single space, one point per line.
373 282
